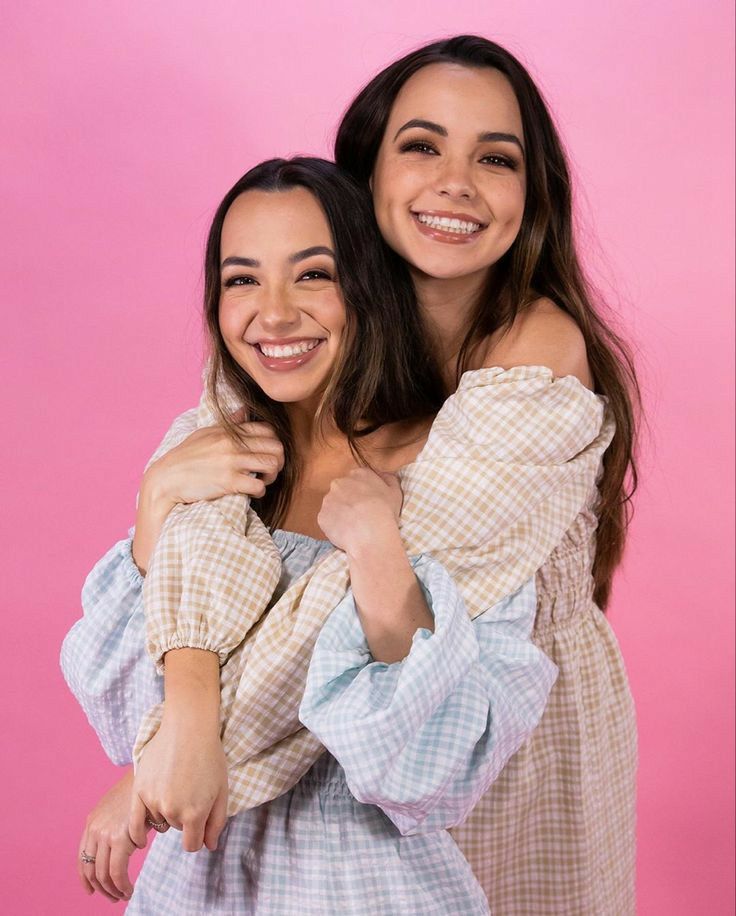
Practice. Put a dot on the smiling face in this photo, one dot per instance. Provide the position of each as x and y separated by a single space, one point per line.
281 313
449 181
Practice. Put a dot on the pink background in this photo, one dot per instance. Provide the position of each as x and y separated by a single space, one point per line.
123 124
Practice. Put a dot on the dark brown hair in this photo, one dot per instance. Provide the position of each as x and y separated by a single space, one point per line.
541 262
384 372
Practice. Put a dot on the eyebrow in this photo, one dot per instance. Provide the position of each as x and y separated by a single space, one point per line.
293 259
240 262
310 252
487 137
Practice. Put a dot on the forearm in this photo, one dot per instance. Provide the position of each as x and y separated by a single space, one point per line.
389 598
192 689
153 509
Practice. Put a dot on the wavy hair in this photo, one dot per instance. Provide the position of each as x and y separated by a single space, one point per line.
384 372
542 262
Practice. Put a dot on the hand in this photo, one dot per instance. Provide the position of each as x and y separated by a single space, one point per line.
181 779
209 464
105 836
206 465
360 508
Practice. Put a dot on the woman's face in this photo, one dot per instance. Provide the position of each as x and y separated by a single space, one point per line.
281 312
449 181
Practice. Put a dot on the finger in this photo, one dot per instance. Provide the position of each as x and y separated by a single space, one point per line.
102 871
247 484
261 442
120 854
193 838
159 821
216 822
90 868
137 827
258 428
86 883
259 463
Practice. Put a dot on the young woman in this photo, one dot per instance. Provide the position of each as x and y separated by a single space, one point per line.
293 314
471 188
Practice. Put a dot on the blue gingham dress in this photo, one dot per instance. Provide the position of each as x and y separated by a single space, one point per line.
418 742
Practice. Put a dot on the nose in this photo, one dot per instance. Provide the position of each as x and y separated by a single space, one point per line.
277 312
455 180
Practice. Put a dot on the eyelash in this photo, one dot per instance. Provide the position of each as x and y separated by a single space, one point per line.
422 146
317 274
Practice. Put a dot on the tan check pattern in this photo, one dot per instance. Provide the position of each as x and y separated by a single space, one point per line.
555 833
511 461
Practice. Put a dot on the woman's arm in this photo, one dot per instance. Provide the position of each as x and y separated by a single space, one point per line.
105 839
181 777
360 516
205 466
424 739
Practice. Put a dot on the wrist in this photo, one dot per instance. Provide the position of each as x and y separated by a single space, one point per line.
154 497
192 686
371 542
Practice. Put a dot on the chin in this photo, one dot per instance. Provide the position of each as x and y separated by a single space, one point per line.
437 270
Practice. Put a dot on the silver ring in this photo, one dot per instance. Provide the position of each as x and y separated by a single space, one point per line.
88 860
158 827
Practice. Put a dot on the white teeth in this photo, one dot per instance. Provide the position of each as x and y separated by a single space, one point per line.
282 352
448 224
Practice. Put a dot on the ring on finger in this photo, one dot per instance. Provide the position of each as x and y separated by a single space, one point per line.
160 827
87 859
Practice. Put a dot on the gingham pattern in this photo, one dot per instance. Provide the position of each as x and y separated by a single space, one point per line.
316 849
555 834
511 460
103 658
424 739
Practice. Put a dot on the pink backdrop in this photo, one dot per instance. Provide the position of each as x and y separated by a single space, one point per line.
123 124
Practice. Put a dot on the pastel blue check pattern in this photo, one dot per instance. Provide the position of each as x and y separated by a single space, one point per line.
419 741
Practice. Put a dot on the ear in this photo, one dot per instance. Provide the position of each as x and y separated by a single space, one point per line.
370 183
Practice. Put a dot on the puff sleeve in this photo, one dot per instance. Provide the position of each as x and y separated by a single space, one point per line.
423 738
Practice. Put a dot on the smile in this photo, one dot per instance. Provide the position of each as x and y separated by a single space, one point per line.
448 227
287 354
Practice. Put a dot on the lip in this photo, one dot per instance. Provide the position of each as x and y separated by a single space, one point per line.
442 235
285 364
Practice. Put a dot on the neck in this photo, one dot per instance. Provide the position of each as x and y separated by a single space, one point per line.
307 432
447 306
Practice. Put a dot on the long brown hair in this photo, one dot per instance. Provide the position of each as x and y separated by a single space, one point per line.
384 372
541 262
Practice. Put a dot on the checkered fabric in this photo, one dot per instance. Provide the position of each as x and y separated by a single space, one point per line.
511 460
554 835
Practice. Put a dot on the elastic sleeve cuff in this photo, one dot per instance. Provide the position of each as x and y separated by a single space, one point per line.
188 638
135 576
366 710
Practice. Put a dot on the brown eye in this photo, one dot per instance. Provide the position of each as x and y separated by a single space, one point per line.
497 160
239 281
315 274
418 146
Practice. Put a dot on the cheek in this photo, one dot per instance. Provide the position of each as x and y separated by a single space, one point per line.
508 201
392 183
229 319
337 318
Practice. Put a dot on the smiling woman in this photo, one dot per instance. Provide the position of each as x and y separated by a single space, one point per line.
458 178
471 188
285 311
297 306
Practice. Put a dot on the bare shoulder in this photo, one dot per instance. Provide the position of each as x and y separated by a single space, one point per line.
542 335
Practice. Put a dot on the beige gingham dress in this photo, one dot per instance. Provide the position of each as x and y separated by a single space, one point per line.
503 488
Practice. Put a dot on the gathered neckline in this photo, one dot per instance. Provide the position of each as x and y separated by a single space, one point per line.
298 536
